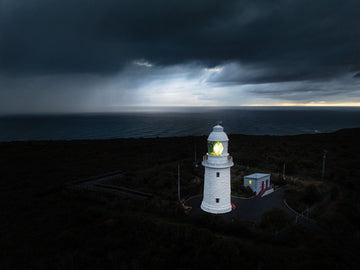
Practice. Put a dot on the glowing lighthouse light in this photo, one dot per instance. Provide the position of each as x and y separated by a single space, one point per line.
217 163
218 149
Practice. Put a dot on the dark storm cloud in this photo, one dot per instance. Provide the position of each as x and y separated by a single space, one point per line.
290 40
102 36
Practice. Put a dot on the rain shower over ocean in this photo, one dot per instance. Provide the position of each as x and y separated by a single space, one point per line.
183 121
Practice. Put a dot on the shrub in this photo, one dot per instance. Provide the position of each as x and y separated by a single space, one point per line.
275 219
311 195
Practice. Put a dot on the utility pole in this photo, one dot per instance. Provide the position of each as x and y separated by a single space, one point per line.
195 163
179 181
323 167
195 153
284 172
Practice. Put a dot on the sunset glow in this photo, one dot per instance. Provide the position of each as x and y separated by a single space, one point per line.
310 104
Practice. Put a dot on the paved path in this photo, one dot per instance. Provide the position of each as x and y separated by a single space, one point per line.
99 184
248 209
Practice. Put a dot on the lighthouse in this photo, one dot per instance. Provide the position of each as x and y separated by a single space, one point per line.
217 163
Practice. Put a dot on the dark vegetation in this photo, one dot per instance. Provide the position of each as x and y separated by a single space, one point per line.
304 197
46 226
275 220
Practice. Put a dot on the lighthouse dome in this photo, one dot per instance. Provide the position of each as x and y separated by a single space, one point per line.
218 134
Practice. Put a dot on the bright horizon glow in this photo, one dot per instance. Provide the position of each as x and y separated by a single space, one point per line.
144 86
309 104
354 104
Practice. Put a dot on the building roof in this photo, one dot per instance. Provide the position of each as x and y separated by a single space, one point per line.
257 175
218 134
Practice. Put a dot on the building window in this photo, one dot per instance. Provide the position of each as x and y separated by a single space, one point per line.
217 200
217 174
250 182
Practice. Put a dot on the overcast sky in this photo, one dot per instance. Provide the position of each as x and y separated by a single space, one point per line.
84 55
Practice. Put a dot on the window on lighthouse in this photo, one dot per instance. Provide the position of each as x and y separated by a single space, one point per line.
215 148
217 200
217 174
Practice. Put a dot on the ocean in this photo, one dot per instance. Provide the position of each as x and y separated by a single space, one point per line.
184 121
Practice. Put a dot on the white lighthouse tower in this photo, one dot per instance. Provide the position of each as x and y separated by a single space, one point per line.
217 163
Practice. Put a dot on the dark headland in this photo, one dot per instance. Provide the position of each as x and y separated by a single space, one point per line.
46 224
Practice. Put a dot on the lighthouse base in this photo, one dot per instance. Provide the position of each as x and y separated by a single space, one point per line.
215 209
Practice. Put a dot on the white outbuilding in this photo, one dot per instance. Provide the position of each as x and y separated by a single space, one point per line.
217 163
259 183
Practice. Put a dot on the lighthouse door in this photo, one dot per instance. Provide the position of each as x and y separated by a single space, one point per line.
262 185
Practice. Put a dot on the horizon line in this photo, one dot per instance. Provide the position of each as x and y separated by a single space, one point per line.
142 108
